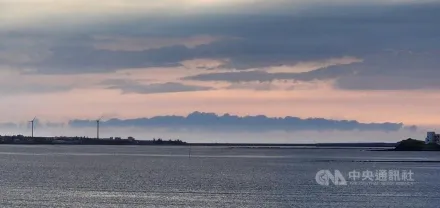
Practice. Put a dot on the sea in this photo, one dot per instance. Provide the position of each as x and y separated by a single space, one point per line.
205 177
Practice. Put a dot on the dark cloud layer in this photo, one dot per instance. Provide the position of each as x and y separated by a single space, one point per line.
211 121
131 86
397 70
254 40
264 39
390 70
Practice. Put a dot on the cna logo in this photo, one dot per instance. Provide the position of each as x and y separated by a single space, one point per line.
323 177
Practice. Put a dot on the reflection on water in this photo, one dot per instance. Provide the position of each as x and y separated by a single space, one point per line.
132 176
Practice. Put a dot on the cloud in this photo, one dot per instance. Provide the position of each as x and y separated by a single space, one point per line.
252 86
270 37
211 121
34 88
260 43
132 86
12 83
145 43
8 125
314 65
388 70
401 70
203 63
262 76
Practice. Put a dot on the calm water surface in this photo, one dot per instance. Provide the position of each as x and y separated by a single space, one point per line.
133 176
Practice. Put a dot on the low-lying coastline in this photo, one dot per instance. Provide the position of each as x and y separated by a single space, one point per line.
404 145
19 139
28 140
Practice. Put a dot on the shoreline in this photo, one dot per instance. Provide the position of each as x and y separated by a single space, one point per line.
228 145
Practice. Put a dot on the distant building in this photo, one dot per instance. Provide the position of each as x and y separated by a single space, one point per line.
432 138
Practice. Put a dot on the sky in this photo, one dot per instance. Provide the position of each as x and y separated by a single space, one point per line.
368 62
